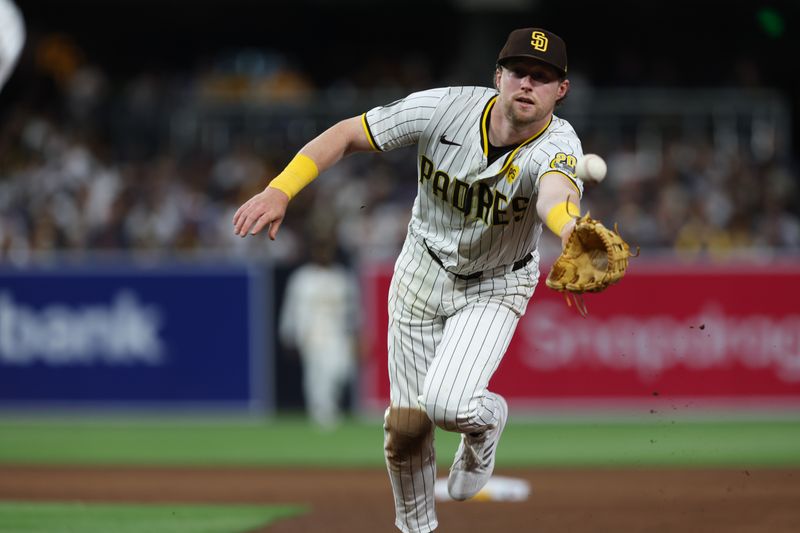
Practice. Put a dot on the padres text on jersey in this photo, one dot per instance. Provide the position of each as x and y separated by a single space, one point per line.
473 213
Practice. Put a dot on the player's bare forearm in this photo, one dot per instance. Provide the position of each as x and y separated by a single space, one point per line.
341 139
268 208
558 203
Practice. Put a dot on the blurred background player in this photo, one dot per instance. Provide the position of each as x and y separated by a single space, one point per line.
12 38
318 318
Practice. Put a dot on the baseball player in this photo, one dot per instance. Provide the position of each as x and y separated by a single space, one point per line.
318 317
493 166
12 38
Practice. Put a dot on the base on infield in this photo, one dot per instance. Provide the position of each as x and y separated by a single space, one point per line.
497 489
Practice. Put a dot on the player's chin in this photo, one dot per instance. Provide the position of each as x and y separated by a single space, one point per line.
526 114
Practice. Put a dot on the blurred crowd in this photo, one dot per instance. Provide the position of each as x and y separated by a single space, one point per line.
701 202
91 166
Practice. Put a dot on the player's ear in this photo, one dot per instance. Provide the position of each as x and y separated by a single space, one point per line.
498 72
563 88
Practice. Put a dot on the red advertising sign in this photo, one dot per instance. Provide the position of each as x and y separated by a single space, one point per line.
712 335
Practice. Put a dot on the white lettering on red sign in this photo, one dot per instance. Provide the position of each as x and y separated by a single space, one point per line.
653 344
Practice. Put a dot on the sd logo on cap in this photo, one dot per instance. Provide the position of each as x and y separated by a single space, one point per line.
538 44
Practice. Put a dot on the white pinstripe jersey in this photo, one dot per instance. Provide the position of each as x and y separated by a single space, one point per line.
472 215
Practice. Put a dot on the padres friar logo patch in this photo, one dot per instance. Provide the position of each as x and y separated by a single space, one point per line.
539 41
565 163
512 173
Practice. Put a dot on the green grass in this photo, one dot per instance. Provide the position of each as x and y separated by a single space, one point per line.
291 441
28 517
287 441
695 444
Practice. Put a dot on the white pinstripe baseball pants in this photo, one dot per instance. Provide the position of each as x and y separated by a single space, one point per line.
446 337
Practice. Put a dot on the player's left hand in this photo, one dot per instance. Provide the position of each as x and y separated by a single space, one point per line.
593 258
265 208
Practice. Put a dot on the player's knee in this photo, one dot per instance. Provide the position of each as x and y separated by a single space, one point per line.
407 430
448 413
438 412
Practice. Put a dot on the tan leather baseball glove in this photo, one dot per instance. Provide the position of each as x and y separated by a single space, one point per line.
593 258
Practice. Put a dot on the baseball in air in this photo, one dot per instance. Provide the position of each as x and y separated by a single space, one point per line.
591 167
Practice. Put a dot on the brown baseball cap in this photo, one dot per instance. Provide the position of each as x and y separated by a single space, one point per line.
535 43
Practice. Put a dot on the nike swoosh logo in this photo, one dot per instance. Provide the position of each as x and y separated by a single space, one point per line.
444 140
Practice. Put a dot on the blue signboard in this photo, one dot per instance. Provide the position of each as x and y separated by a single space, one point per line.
154 337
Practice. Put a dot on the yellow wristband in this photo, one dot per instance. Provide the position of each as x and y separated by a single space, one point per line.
559 215
298 173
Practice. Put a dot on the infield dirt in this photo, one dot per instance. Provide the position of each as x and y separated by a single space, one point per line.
354 501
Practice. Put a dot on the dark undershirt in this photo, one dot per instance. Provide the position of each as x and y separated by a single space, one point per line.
496 151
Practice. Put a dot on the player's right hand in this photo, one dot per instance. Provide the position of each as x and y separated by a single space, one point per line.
265 208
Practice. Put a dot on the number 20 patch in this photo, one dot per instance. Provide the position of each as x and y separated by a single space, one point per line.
565 163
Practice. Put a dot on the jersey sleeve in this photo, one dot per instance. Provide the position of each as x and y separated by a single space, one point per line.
561 155
400 123
12 38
